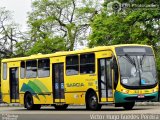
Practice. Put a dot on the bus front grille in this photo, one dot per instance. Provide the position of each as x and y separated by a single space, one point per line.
139 99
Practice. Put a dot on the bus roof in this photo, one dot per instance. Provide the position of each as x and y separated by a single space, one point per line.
62 53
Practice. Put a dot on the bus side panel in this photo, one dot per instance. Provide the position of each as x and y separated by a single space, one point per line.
38 99
5 87
77 85
6 98
43 99
5 90
21 98
75 98
6 83
40 88
49 99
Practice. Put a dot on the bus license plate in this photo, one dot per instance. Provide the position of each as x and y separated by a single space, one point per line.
141 96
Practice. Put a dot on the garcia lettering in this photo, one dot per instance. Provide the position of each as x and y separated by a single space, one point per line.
75 84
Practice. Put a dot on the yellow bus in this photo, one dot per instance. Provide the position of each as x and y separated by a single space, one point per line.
118 74
0 93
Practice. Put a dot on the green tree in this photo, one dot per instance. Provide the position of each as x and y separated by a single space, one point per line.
139 26
9 33
130 25
22 47
47 46
68 19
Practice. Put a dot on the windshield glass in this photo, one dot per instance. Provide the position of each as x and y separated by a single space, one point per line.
137 70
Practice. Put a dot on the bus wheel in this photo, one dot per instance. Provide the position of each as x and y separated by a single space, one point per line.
129 105
92 102
28 103
61 107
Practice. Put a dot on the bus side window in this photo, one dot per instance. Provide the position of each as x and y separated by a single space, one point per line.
87 63
43 68
4 71
22 69
31 69
72 65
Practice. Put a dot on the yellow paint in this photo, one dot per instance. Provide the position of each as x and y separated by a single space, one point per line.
49 99
141 91
59 100
6 98
75 98
103 99
110 99
21 98
15 100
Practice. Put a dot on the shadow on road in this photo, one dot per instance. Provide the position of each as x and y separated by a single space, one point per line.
82 109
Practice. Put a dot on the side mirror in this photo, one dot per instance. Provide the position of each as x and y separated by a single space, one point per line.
113 63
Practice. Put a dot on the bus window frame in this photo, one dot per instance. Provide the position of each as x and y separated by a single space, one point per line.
31 69
5 78
72 65
24 70
94 63
41 68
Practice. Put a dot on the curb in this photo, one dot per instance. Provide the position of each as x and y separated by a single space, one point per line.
147 104
10 105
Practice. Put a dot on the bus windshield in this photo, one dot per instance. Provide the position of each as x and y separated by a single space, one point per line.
137 69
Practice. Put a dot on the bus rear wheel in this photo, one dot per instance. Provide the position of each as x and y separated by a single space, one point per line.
129 105
61 107
92 102
28 103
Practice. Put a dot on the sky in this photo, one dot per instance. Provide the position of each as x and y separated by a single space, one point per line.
19 9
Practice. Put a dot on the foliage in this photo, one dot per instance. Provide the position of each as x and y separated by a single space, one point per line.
47 46
22 47
68 19
139 25
9 33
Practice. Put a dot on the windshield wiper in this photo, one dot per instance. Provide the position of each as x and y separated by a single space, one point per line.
141 60
132 61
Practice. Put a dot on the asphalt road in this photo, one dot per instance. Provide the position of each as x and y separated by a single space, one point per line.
79 113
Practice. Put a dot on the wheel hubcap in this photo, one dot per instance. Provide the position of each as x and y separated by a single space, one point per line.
29 101
93 101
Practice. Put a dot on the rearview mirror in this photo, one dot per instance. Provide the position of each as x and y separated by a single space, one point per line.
113 63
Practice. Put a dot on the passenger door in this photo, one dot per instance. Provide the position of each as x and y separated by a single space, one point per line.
105 80
58 82
14 85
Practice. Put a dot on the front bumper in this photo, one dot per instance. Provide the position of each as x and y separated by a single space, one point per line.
122 97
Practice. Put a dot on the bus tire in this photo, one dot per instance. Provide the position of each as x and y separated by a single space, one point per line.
29 104
129 105
92 102
61 107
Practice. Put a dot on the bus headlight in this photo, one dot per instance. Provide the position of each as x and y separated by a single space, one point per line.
124 80
125 91
155 90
